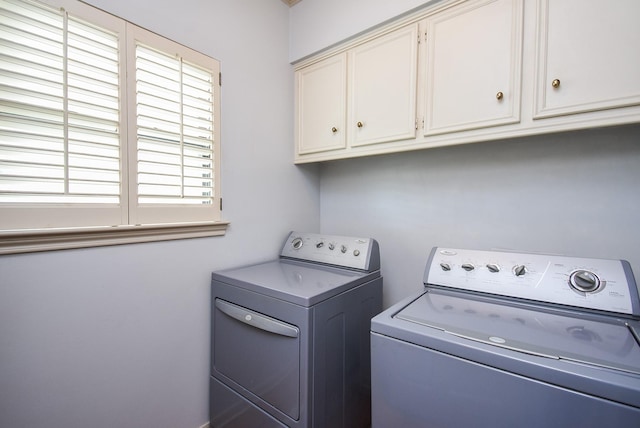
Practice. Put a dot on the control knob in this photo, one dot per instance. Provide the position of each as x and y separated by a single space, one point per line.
493 268
519 270
584 280
297 243
468 267
343 249
445 267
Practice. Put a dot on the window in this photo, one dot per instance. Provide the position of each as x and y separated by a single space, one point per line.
107 131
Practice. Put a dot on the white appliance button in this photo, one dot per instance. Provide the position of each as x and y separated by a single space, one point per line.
448 252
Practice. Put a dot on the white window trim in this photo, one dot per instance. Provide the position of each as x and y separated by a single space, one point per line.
29 241
47 239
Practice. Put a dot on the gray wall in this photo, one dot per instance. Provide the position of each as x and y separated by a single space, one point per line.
317 24
575 193
119 336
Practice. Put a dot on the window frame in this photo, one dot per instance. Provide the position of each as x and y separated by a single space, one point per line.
127 222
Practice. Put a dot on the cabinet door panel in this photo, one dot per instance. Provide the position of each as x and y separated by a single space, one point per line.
382 102
320 106
474 53
592 49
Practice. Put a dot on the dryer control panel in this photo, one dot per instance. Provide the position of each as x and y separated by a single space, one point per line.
599 284
344 251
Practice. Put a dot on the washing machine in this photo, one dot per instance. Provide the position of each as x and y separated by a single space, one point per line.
506 339
290 343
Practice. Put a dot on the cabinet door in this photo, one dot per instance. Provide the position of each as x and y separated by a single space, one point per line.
588 56
382 78
321 93
473 72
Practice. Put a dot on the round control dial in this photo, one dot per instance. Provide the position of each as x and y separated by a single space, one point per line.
297 243
584 281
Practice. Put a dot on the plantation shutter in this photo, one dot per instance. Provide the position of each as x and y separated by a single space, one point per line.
103 123
175 130
59 123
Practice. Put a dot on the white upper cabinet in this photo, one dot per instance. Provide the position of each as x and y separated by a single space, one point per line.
321 91
358 97
465 71
588 56
473 66
382 95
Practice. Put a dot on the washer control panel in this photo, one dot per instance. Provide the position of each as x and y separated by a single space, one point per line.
599 284
344 251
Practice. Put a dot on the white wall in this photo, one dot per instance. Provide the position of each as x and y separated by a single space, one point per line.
575 193
317 24
119 336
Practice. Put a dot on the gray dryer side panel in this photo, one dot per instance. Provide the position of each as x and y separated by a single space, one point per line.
333 370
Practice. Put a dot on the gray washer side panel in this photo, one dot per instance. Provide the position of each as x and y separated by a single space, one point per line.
415 387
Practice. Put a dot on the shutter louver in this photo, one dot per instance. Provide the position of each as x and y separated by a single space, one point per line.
59 125
174 102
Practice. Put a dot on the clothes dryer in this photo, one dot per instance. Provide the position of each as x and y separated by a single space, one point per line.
290 339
